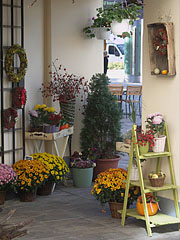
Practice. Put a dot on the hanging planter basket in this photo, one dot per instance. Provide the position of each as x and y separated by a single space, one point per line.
102 33
118 28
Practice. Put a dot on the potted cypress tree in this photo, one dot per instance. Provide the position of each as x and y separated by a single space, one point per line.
101 127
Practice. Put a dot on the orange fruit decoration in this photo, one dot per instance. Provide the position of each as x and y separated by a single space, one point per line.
66 125
164 72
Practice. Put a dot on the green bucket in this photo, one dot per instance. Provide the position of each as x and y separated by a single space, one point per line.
82 177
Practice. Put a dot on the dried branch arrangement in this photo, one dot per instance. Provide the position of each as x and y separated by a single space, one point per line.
11 231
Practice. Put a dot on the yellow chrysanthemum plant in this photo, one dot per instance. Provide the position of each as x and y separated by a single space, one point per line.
56 165
40 114
31 174
110 187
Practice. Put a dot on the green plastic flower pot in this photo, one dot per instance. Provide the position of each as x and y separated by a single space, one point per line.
144 149
82 177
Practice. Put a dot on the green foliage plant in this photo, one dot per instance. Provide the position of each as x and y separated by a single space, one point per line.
102 117
116 12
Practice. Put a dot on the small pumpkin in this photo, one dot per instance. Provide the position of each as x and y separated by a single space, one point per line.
152 207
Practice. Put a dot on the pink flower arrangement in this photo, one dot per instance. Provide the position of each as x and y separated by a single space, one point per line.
7 176
79 160
155 122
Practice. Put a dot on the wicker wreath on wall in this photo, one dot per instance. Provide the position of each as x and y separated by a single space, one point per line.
10 117
19 97
161 41
9 60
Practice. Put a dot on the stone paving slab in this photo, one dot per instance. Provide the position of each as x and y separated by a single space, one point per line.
73 213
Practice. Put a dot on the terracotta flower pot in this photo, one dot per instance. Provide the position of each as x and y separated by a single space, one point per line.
105 164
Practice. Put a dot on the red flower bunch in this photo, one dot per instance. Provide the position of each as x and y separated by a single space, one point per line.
64 86
144 137
54 119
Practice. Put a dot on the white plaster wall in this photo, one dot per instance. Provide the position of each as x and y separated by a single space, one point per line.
34 46
161 94
81 56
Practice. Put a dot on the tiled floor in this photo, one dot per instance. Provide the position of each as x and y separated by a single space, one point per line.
73 213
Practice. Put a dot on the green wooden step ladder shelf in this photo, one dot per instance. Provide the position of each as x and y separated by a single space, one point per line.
158 219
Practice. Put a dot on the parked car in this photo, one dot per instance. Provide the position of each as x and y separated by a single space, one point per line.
115 52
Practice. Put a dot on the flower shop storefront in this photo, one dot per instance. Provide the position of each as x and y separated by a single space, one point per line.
42 109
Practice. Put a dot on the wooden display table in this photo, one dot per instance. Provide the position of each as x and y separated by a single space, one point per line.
41 136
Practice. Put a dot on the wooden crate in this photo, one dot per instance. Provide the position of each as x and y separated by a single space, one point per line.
156 60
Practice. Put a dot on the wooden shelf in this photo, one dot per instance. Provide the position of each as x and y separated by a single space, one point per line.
49 136
154 155
148 188
166 62
157 220
145 186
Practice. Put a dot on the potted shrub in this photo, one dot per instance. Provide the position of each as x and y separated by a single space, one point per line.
156 122
7 179
57 171
109 188
82 170
101 127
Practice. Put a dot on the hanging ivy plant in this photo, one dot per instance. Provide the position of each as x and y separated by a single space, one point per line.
19 97
10 117
9 60
116 12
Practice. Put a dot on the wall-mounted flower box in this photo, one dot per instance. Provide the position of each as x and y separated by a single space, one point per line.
161 48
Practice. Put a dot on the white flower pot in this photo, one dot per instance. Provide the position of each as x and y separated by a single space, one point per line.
159 144
118 28
102 33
